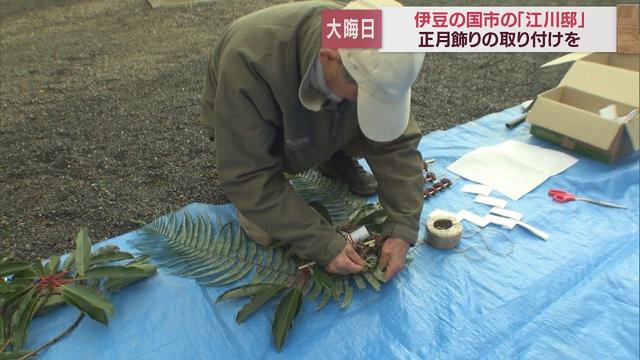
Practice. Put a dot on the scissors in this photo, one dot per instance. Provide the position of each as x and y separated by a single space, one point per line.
564 196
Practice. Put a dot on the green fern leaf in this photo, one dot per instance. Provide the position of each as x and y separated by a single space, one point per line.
315 292
239 271
372 280
333 194
224 266
348 294
213 253
360 284
308 285
338 289
326 296
378 274
219 253
368 214
322 210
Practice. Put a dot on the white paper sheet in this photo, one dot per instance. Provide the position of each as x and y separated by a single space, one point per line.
541 234
512 168
488 200
502 221
506 213
477 189
472 218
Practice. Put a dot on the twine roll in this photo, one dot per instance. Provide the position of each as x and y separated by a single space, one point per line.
443 231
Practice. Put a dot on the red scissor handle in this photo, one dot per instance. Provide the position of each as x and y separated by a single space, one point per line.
561 195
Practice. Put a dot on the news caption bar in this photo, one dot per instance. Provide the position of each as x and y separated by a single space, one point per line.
473 29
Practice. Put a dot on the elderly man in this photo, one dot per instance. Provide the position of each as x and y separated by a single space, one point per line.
275 101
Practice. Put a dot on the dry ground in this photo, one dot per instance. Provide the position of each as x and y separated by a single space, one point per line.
99 106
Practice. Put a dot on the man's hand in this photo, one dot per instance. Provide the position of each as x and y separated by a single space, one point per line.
347 262
393 257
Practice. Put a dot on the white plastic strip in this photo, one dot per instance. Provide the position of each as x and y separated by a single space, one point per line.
472 218
541 234
506 213
502 221
360 234
477 189
488 200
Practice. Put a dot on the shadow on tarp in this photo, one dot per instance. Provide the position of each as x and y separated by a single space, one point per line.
574 296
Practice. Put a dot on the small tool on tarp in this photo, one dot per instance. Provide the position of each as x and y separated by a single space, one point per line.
527 105
564 196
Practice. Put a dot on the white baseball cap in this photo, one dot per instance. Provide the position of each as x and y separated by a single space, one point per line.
384 83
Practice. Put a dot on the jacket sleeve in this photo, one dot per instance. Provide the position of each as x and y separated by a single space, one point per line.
397 166
251 174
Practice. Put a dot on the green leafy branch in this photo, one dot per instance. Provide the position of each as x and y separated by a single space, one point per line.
220 253
314 282
81 280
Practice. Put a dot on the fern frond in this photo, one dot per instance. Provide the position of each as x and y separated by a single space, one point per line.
214 254
326 296
333 194
317 289
375 284
337 289
220 253
360 284
348 294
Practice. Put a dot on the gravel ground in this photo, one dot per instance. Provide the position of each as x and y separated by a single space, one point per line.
99 107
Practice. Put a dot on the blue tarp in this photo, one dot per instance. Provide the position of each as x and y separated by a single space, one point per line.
574 296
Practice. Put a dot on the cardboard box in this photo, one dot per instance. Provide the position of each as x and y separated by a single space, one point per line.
569 115
628 20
